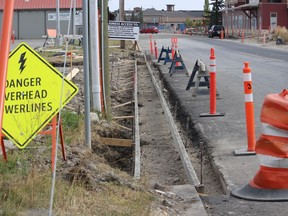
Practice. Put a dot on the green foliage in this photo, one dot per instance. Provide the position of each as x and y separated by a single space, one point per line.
188 23
216 16
206 7
70 119
73 126
207 13
17 164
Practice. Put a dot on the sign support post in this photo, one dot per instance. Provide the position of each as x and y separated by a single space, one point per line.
53 133
4 52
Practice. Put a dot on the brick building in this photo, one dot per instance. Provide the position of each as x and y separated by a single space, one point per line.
255 14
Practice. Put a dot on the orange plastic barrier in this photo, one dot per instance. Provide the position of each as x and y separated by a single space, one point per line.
173 47
151 45
212 88
249 107
249 110
175 41
270 182
212 82
156 49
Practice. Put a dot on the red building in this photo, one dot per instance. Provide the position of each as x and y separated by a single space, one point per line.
255 14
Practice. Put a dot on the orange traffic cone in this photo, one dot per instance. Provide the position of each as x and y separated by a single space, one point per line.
270 182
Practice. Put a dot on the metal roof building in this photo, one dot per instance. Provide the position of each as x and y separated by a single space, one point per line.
170 19
41 4
32 18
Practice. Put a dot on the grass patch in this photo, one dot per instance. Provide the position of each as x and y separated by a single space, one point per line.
281 32
73 127
22 193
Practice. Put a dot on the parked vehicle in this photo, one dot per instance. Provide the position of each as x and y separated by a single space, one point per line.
215 30
150 29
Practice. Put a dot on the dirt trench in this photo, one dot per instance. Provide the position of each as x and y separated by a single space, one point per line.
160 162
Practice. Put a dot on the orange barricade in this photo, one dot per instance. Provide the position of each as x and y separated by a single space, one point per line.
151 45
249 107
270 182
249 110
51 34
173 48
213 81
156 49
212 87
176 48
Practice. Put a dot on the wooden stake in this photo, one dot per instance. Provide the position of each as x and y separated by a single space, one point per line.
117 142
124 104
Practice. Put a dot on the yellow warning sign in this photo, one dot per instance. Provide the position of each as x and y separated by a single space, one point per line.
33 95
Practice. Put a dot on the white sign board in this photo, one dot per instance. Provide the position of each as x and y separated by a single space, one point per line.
78 19
123 30
53 16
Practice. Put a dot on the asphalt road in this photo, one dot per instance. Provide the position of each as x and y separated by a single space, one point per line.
228 133
268 66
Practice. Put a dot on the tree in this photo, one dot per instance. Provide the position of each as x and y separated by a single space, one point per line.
216 16
141 17
207 13
133 18
188 23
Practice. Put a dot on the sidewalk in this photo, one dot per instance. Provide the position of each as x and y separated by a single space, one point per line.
258 41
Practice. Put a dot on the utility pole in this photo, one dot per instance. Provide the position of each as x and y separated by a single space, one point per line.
58 23
74 19
105 58
86 74
122 16
94 55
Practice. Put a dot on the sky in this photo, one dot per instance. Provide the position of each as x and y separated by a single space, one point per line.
158 4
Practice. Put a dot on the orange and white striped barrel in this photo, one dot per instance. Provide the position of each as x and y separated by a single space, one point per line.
249 107
272 146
